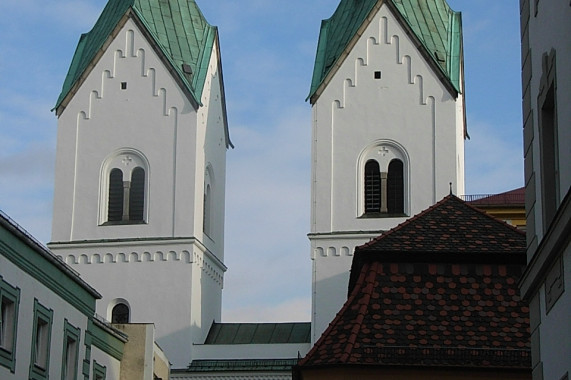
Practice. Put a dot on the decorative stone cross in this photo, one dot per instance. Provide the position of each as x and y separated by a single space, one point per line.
383 151
127 160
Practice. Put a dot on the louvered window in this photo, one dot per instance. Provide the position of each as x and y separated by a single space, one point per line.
395 188
115 203
137 195
372 187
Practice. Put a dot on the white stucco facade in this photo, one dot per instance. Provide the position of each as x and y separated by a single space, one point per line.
383 100
47 322
546 85
129 111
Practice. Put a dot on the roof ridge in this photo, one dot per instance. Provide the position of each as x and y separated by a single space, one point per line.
448 198
405 223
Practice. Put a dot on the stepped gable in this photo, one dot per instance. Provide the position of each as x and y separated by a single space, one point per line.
181 34
430 308
436 26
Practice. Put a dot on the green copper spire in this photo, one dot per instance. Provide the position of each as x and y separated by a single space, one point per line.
177 27
433 22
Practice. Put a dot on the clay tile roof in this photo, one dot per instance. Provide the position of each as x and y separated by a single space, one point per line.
514 197
450 226
436 310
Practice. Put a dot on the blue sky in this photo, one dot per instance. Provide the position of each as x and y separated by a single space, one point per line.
268 48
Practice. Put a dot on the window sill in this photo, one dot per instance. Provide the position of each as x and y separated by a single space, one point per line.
384 215
123 223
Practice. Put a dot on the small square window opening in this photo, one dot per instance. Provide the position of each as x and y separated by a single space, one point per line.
377 75
123 85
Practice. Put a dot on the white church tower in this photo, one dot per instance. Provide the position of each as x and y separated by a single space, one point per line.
388 129
140 171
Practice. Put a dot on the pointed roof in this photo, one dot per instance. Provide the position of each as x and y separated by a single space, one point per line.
433 22
177 28
438 290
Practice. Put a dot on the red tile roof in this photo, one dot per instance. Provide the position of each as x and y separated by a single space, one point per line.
514 197
438 290
450 226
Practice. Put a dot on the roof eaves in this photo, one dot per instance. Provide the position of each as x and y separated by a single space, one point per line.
27 238
113 15
228 141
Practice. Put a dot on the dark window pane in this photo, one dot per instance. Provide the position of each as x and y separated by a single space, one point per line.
137 195
372 187
395 188
115 204
120 313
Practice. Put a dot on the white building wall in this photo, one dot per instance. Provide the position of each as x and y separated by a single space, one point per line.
212 131
151 116
543 39
358 117
112 365
546 58
167 269
30 289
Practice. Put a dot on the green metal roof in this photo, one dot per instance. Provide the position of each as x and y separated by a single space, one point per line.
259 333
433 22
177 27
240 365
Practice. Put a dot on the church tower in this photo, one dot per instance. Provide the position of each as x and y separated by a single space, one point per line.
388 129
140 169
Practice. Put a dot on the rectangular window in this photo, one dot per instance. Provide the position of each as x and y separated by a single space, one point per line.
70 351
99 371
41 340
9 301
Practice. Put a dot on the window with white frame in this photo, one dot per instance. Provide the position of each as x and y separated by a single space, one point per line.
10 299
383 180
124 188
41 341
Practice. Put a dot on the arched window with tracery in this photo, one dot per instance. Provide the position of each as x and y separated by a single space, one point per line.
383 180
124 188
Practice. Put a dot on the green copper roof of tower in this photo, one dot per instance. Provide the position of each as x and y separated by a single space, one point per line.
434 23
177 27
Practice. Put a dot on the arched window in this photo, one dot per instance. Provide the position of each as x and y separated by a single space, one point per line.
124 187
120 313
115 198
372 187
137 195
383 181
395 188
